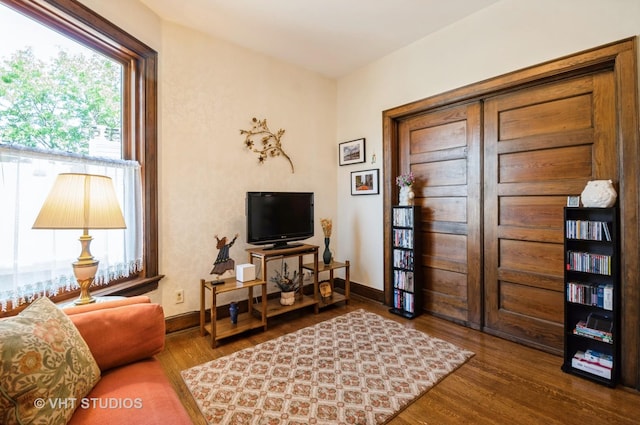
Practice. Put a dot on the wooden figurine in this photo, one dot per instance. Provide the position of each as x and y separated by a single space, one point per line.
223 262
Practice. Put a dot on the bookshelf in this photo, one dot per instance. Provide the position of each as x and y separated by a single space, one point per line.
592 294
405 261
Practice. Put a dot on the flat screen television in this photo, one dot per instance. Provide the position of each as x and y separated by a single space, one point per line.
279 218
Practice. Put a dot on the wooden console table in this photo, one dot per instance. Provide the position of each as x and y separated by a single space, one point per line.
274 308
222 328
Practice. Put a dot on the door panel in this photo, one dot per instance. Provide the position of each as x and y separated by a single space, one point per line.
540 146
442 148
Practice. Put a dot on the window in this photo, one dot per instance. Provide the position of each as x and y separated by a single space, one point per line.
126 133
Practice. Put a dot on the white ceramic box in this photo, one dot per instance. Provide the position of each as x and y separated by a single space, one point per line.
245 272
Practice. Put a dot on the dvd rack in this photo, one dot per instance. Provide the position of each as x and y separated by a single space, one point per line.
405 270
592 293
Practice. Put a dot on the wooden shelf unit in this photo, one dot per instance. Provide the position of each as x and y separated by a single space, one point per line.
334 265
263 256
223 328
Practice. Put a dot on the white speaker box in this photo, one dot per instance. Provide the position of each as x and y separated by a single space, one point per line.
245 272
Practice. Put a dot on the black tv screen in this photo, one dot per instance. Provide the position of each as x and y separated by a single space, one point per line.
279 217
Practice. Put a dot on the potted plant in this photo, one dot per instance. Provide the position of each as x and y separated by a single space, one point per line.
288 285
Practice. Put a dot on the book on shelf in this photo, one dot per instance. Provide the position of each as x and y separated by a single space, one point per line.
583 329
607 297
582 362
605 360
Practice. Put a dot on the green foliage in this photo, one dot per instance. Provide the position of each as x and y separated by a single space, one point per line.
284 282
58 104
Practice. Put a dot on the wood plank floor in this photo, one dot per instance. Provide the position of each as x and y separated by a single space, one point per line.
504 383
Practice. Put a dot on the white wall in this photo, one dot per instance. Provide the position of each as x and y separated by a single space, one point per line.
208 91
505 37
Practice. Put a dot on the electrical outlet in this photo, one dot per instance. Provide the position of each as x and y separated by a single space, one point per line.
179 297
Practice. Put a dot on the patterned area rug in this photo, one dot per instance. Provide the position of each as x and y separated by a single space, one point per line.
359 368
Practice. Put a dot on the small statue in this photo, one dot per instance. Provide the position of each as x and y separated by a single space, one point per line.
223 262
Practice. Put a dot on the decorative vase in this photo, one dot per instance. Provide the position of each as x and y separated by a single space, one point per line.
287 298
599 194
406 195
233 312
326 255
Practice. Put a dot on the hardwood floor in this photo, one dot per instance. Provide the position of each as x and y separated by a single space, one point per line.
504 383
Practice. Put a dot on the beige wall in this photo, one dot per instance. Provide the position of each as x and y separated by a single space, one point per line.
507 36
208 91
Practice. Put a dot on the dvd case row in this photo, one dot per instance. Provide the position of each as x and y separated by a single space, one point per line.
403 280
599 295
404 301
403 238
403 217
588 230
402 259
589 263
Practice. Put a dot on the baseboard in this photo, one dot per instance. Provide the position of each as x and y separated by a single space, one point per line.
192 319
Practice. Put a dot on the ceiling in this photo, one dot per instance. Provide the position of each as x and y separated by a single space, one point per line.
331 37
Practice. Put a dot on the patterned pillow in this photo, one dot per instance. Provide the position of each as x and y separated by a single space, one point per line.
45 366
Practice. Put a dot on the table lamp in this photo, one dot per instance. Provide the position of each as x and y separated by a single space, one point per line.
82 201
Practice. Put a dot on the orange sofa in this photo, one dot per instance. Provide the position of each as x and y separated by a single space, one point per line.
124 335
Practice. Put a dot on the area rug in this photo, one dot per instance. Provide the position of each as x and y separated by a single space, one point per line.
359 368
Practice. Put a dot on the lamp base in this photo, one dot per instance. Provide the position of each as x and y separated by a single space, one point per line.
85 296
83 301
85 271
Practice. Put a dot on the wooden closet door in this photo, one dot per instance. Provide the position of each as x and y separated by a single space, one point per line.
541 145
443 150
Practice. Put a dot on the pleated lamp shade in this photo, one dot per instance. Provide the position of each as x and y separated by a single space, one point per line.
81 201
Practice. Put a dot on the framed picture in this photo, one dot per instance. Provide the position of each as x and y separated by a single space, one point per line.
351 152
573 201
365 182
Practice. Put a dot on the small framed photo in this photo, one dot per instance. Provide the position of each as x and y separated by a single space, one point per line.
365 182
573 201
351 152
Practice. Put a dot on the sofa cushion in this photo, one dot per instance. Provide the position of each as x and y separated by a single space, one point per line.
121 335
138 393
45 366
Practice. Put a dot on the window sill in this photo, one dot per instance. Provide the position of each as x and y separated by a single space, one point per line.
130 288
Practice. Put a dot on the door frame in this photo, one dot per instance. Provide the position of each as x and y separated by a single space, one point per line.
620 57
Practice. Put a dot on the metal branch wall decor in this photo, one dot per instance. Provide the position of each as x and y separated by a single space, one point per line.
269 145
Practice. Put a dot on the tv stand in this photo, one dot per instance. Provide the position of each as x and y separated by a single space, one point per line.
283 245
264 255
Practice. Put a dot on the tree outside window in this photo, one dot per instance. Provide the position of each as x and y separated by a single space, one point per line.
81 105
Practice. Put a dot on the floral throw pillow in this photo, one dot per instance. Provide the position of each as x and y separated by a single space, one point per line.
45 366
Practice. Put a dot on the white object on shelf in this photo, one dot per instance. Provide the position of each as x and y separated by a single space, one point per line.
579 362
599 194
245 272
